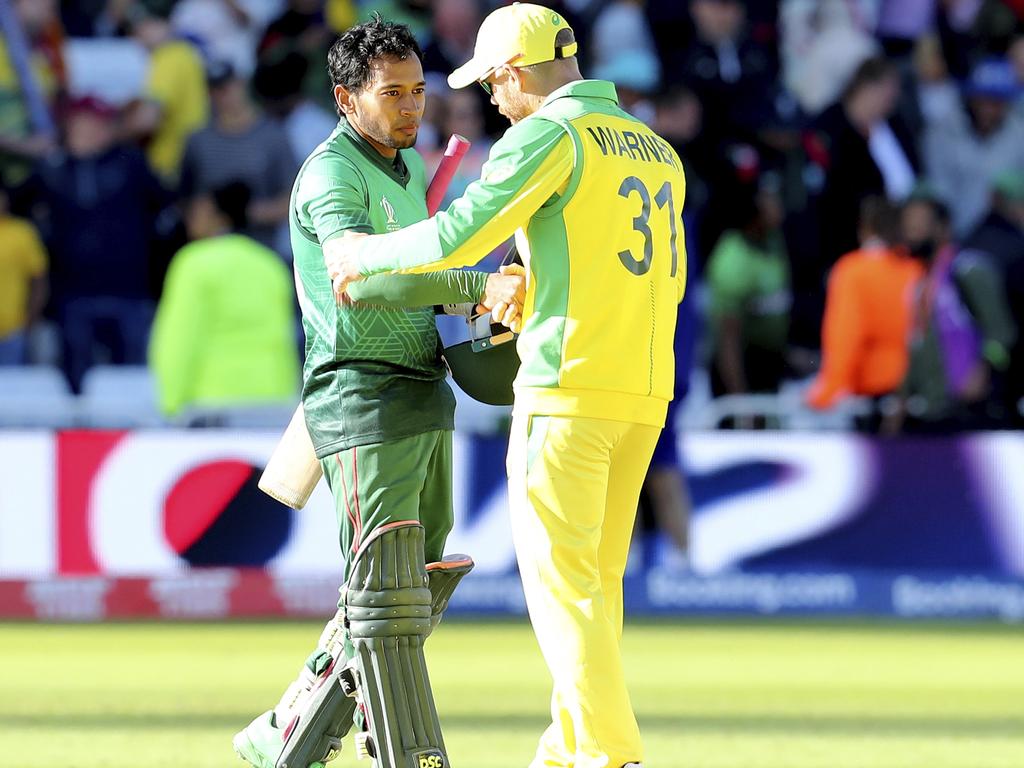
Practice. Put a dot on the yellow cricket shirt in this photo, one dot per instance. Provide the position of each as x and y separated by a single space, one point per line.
22 259
177 82
595 199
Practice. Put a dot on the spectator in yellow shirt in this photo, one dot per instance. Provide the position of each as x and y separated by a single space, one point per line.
22 282
175 103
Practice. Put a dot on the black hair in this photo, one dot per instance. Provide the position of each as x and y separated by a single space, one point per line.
350 58
939 209
880 217
870 71
282 79
232 200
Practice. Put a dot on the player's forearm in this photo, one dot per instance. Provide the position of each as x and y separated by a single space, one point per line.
470 229
414 248
526 168
419 248
401 291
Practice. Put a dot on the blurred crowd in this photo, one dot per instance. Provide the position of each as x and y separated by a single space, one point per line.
854 214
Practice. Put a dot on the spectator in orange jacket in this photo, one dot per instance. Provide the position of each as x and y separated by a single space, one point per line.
866 328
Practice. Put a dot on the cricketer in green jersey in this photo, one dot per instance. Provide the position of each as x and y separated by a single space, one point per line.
377 406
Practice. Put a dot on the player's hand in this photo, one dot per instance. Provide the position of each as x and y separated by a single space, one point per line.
504 296
505 287
340 260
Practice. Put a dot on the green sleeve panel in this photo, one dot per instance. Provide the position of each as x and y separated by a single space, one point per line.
450 286
986 299
331 198
528 165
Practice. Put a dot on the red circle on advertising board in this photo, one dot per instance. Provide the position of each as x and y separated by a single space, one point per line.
198 499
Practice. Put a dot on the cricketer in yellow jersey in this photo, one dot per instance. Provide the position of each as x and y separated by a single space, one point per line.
594 198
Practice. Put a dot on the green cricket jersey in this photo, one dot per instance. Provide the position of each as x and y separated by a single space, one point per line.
751 281
373 371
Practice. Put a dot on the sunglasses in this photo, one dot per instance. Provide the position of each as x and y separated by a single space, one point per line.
489 87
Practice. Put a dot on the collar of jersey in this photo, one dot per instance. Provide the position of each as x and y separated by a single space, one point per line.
396 169
594 89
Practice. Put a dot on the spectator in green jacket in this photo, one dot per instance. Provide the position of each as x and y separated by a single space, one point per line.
749 286
224 333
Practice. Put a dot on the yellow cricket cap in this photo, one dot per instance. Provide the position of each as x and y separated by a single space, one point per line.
519 34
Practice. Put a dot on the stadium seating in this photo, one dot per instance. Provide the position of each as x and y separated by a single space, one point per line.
274 416
35 396
784 410
119 396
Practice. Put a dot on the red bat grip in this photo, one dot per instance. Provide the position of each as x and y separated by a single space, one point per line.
457 147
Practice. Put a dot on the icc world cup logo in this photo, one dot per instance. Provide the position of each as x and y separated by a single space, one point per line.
389 211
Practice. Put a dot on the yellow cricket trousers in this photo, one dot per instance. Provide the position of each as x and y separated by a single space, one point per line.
573 490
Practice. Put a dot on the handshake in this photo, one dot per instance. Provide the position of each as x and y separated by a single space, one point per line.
503 297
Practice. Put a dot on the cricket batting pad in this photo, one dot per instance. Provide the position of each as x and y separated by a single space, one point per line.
293 470
319 706
317 709
314 735
445 576
388 606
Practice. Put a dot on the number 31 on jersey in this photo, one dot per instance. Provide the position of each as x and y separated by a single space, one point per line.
642 224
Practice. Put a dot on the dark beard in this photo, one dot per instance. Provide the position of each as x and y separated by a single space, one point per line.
379 133
389 140
401 143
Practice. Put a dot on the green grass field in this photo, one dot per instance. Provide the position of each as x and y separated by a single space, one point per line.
708 696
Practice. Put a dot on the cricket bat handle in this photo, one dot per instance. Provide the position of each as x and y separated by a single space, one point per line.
293 470
457 147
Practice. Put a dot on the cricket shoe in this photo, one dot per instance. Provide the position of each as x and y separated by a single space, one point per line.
261 741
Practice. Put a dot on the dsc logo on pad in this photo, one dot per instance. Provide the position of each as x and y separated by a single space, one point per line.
432 759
